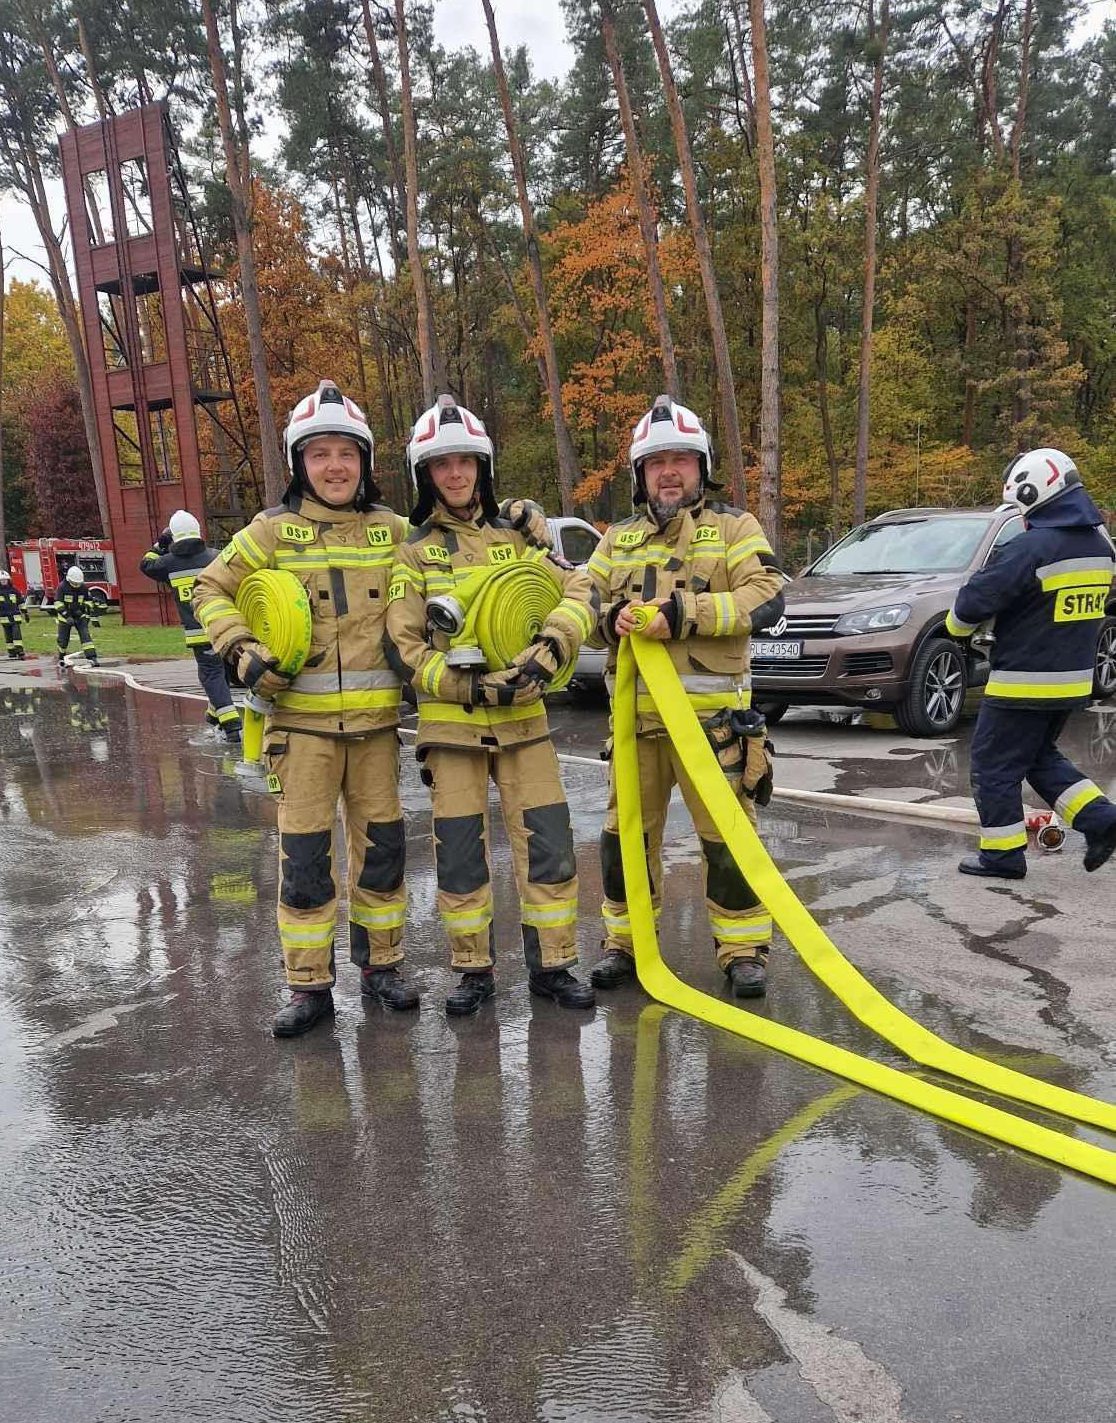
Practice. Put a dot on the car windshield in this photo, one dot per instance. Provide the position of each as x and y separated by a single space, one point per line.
905 546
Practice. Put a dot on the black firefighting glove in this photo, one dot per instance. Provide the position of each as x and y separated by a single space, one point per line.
538 664
530 520
725 741
164 541
759 780
609 620
257 669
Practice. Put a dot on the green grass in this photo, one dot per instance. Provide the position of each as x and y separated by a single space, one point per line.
112 638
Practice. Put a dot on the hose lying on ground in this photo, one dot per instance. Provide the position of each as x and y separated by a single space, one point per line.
816 950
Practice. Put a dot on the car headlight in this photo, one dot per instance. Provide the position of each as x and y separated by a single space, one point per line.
873 619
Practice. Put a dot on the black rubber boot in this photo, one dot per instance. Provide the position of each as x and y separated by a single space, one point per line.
471 992
387 985
974 865
560 984
92 659
232 735
302 1012
1099 848
748 978
613 970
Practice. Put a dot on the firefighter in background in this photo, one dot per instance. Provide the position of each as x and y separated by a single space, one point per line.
1047 591
709 571
477 725
73 608
176 560
332 734
11 611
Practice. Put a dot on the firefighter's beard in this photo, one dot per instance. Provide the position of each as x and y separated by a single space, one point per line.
662 511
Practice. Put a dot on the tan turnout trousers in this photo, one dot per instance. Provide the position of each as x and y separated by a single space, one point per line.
310 774
537 818
740 924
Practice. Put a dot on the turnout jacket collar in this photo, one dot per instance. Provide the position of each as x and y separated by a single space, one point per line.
1071 510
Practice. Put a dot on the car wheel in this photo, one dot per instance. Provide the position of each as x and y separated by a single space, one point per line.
1104 669
935 696
773 711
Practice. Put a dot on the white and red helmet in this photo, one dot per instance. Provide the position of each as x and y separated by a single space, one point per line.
449 429
1037 477
328 412
668 426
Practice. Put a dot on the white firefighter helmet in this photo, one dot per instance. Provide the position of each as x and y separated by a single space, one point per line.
449 429
5 576
183 525
1037 477
668 426
328 412
75 576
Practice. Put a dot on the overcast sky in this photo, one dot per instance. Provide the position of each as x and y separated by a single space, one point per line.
536 23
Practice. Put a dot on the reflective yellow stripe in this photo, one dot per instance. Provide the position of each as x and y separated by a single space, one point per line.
703 701
333 556
1017 840
752 929
745 548
308 936
401 572
1070 809
468 921
549 916
217 608
479 716
997 688
337 701
432 673
578 613
249 549
726 614
600 564
387 916
956 628
197 639
1101 578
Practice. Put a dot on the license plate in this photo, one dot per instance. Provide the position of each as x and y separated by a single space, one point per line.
781 650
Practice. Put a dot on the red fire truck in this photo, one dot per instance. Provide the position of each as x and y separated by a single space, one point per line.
39 565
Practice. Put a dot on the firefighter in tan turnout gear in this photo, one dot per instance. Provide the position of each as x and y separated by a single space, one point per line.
332 733
477 724
709 570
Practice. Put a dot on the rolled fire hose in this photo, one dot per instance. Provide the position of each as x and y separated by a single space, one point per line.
505 608
274 605
818 952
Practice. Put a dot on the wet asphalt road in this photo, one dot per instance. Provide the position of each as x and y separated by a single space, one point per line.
617 1216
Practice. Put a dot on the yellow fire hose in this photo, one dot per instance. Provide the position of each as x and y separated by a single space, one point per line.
275 606
503 608
817 951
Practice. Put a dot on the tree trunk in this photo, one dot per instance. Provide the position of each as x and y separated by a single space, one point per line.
430 357
24 164
748 126
3 520
821 370
871 198
383 103
239 178
643 201
731 443
770 512
569 472
1019 333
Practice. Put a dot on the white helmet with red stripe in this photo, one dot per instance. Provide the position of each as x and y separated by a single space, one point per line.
328 412
668 426
449 429
1037 477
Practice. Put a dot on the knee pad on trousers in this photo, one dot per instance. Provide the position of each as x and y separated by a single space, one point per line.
459 853
550 849
724 884
382 870
612 867
307 869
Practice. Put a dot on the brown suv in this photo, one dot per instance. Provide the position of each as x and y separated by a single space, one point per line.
865 623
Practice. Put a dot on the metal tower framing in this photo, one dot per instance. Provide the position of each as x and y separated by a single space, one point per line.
169 425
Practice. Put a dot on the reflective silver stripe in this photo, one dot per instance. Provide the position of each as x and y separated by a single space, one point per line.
699 685
1074 565
1048 679
1075 798
315 682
